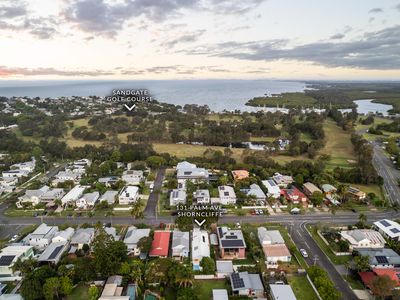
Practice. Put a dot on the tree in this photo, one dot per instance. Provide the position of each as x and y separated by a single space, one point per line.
66 285
183 276
362 219
137 211
361 263
208 265
156 161
144 244
187 294
317 198
93 293
382 286
52 288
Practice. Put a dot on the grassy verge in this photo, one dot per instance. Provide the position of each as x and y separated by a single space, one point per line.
302 288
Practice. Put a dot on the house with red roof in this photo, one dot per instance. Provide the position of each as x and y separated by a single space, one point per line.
368 277
160 244
294 195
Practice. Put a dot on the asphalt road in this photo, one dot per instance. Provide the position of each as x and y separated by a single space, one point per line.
151 208
389 173
303 239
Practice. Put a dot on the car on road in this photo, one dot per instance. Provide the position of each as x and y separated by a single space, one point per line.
304 253
14 238
353 210
238 225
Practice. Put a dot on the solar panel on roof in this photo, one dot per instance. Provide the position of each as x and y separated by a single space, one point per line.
232 243
385 223
237 281
394 230
232 237
55 252
382 259
6 260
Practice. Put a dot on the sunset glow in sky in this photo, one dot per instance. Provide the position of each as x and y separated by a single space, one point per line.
179 39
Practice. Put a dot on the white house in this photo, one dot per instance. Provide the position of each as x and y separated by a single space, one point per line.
363 238
282 180
226 195
274 190
180 244
9 255
187 171
64 235
255 191
109 196
88 200
388 228
177 197
53 253
132 238
274 247
15 173
132 177
32 196
73 194
28 166
81 237
63 176
128 195
202 196
282 292
41 237
200 247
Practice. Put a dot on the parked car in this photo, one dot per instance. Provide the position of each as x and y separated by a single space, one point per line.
304 253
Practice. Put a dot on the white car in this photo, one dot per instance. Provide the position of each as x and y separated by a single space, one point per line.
304 253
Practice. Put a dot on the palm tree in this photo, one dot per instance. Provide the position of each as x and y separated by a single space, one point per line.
136 210
184 277
362 218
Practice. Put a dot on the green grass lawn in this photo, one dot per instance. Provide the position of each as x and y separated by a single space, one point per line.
80 292
337 260
204 288
302 288
338 145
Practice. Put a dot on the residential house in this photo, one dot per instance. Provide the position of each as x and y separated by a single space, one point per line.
9 255
74 194
53 253
200 247
363 238
87 200
240 174
274 247
381 258
369 276
8 184
128 195
187 171
274 190
281 292
52 195
255 192
177 197
356 193
202 196
112 231
231 243
245 284
388 228
41 237
180 244
184 165
133 177
310 188
28 166
328 189
64 176
14 174
64 235
160 244
113 289
224 268
283 181
226 195
109 181
81 237
109 197
294 195
132 238
32 197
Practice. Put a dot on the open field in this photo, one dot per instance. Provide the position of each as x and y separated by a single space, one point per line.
338 145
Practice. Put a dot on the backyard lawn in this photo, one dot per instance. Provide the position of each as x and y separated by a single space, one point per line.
204 288
301 287
80 292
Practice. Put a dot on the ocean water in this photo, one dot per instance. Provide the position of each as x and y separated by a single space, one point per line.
217 94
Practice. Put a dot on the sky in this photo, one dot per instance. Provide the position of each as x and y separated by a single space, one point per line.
200 39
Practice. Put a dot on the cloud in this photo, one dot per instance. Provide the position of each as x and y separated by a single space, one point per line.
337 36
398 7
10 72
188 37
232 6
98 16
9 10
374 50
375 10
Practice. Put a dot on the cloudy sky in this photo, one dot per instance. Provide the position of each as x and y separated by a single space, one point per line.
169 39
